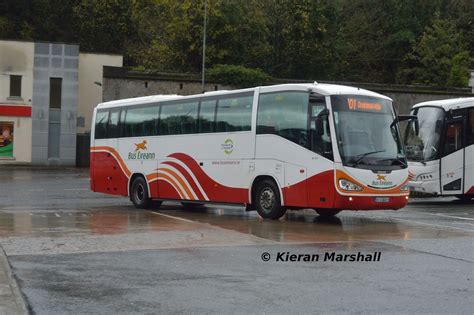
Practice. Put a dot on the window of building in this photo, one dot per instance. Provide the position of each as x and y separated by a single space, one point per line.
141 121
177 119
55 92
15 86
234 113
207 114
284 114
102 117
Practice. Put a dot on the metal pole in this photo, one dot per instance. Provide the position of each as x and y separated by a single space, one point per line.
204 47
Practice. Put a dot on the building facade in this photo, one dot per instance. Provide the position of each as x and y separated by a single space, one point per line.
47 94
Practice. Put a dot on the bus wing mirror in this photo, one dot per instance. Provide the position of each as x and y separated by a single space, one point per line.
319 128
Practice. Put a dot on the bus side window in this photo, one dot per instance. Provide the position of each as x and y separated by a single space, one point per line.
141 121
284 114
177 119
112 127
101 120
207 113
453 139
121 131
234 113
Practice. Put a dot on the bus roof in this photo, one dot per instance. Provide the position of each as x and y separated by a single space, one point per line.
320 88
447 104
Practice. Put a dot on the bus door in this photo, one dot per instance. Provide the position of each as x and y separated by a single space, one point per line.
320 188
452 160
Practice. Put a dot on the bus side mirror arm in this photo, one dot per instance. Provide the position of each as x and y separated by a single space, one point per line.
324 112
401 118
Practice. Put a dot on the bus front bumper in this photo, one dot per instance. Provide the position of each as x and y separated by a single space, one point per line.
370 202
424 186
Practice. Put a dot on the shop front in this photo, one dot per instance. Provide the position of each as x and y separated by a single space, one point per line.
15 134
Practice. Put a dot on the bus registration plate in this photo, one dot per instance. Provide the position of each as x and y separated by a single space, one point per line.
381 199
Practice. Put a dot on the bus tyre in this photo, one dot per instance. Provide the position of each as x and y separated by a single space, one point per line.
327 213
192 205
139 194
267 200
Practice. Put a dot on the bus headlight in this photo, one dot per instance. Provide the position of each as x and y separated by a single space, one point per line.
348 185
404 187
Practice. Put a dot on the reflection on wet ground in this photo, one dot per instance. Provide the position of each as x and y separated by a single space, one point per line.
99 221
302 226
306 226
58 203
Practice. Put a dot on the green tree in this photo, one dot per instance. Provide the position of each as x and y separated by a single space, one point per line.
238 75
460 74
104 26
434 55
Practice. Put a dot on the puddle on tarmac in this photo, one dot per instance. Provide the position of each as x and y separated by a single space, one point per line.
100 221
304 226
296 227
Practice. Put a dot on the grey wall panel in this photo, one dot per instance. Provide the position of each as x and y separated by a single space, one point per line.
57 49
51 61
42 48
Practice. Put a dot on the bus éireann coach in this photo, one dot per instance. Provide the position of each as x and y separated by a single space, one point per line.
272 148
441 153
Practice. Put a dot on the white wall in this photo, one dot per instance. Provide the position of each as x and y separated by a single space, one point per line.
16 58
89 93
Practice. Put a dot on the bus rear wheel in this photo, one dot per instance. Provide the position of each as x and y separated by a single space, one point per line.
327 213
139 194
267 200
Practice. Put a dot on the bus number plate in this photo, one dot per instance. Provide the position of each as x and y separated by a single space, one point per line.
381 199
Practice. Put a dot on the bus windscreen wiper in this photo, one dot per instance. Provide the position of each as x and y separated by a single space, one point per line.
399 160
360 157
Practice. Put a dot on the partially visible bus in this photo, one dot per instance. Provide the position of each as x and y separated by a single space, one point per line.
272 148
440 149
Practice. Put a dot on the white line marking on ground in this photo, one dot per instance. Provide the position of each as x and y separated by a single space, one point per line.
170 216
82 189
57 215
446 216
429 224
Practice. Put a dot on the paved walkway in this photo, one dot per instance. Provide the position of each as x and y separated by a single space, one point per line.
11 300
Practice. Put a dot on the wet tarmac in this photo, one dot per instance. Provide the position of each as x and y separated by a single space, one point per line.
74 251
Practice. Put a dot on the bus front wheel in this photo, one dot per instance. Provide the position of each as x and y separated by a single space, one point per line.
327 213
139 194
267 200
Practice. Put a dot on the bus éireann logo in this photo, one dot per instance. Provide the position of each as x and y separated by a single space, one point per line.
228 146
138 153
140 146
382 182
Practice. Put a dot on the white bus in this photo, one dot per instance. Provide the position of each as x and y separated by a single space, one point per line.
272 148
441 151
